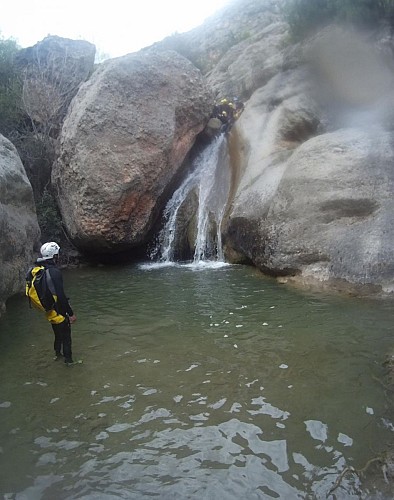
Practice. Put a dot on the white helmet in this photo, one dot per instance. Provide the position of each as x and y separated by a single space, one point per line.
49 250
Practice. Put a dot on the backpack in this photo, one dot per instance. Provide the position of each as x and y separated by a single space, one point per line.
38 284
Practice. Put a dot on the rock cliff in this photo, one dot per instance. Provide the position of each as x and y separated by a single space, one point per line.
315 195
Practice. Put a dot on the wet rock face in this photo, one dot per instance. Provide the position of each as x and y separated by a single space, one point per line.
124 140
19 231
315 180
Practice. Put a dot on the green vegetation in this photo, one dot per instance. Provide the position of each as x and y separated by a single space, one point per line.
306 16
30 119
10 89
49 218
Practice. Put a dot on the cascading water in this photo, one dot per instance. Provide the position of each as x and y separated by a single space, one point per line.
210 179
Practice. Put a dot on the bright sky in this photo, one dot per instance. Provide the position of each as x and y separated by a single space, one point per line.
116 27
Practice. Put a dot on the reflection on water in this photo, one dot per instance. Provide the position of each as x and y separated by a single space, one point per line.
196 383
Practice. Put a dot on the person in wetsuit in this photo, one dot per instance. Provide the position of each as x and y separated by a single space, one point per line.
224 110
227 112
62 316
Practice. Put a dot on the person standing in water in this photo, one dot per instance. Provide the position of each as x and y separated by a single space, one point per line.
62 316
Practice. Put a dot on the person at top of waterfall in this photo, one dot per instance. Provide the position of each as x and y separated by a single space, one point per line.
224 110
228 111
63 316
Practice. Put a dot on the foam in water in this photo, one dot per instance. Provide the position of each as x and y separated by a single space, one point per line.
208 264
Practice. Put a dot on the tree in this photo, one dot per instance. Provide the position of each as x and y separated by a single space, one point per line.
50 73
37 85
48 87
10 89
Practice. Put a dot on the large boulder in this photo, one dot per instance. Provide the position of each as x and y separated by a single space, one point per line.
123 143
19 231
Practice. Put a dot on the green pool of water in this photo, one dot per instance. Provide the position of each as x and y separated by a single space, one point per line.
203 383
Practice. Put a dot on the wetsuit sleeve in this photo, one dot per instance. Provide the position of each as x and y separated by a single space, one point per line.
62 300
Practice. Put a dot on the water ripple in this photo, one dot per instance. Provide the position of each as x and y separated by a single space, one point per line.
210 383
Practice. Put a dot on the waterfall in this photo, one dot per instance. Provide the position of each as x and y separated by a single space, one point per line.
210 179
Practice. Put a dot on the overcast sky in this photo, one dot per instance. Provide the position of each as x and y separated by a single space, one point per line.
116 27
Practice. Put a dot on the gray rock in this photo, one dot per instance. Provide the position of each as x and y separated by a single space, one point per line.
331 216
278 118
314 181
251 63
237 22
19 231
123 142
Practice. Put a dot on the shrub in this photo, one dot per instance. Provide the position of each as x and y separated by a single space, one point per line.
10 89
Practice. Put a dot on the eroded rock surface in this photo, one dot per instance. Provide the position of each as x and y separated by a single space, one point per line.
315 180
330 215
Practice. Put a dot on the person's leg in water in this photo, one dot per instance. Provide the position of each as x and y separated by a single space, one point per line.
57 345
62 333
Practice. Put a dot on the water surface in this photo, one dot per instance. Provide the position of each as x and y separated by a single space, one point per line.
203 383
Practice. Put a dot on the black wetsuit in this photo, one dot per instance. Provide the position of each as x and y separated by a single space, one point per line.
61 327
